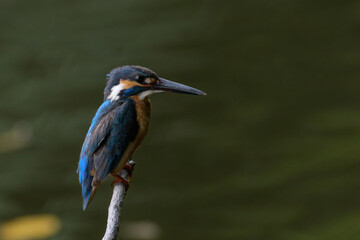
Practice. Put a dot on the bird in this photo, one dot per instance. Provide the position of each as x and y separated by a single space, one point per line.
120 125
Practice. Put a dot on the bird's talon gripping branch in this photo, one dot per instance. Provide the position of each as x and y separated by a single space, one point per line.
119 179
130 170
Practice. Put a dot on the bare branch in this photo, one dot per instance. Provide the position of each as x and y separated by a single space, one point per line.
119 192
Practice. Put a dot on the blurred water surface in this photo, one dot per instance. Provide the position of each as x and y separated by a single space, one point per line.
271 153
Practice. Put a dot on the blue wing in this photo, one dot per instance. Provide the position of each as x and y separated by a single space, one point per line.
112 129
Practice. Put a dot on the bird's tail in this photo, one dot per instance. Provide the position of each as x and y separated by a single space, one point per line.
88 195
86 181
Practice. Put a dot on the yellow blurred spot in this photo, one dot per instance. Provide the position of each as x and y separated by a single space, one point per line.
18 137
30 227
142 230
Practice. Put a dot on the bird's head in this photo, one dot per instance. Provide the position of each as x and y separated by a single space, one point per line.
128 81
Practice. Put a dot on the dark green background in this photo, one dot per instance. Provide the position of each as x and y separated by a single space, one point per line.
272 153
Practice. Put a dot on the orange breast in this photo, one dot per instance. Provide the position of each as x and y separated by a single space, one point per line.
143 111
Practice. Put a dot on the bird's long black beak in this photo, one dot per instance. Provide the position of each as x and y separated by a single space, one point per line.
167 85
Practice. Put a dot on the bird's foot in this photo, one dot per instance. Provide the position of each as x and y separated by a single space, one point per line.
130 170
120 180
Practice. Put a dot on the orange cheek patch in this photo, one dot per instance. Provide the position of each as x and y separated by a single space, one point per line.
126 84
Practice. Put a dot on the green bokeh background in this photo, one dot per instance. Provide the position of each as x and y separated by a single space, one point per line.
271 153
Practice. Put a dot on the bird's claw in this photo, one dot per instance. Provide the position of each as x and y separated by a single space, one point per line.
120 179
130 170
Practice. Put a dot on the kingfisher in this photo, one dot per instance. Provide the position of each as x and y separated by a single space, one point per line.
120 124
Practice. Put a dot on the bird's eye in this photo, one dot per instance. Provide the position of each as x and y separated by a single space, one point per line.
139 78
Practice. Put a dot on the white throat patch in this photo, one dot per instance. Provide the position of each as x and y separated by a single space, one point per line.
115 90
147 93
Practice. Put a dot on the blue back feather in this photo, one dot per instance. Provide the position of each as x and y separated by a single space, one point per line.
112 129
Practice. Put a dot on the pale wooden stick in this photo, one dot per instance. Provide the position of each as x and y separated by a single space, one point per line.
119 192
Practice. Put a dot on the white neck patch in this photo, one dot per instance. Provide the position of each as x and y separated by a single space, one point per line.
147 93
115 90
